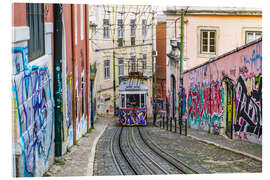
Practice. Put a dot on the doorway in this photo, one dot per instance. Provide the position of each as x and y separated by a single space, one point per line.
173 93
229 104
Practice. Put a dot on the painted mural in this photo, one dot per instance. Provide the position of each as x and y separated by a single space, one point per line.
208 105
31 86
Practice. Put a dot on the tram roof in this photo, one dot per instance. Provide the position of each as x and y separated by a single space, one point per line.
133 85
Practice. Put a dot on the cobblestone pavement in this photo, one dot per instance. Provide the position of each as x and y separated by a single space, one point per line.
204 152
201 156
91 156
79 161
239 146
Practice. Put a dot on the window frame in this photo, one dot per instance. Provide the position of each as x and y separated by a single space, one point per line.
121 67
254 35
36 46
144 27
208 41
120 28
144 62
106 28
133 64
106 69
133 27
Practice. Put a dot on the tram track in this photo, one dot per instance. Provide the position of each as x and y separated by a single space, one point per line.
179 164
119 158
133 153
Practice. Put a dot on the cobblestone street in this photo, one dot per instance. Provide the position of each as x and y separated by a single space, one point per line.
205 155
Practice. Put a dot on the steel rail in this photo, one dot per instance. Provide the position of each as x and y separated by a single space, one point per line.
136 155
116 162
177 161
123 154
147 156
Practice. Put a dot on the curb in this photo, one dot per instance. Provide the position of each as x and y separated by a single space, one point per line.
226 148
92 153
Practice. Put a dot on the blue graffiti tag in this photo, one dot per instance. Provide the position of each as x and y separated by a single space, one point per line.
32 91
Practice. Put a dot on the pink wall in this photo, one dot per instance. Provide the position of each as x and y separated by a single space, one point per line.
206 93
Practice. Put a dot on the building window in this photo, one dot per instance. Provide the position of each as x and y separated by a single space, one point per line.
253 35
208 41
144 27
133 64
120 66
106 29
106 69
35 20
144 60
133 31
120 29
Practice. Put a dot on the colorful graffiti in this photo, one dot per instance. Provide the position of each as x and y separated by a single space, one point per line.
205 105
35 111
210 107
131 117
254 61
248 100
69 123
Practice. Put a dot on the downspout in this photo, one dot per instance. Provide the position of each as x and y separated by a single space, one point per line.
58 29
73 73
180 99
87 64
175 26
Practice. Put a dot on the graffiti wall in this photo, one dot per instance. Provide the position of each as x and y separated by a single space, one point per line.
131 117
31 87
208 106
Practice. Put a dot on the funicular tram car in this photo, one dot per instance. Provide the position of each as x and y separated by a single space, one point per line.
132 103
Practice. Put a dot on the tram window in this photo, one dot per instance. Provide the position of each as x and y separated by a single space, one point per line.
122 100
142 100
133 100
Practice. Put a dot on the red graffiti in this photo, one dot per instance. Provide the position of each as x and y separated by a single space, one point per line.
205 100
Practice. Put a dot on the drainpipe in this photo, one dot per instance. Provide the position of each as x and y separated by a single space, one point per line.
73 46
86 38
180 101
58 29
175 26
114 85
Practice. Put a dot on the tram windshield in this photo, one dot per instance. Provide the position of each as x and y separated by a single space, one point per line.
133 100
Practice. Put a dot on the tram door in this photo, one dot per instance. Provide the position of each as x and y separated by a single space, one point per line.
229 118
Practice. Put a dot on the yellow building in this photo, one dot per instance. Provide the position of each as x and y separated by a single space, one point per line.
128 32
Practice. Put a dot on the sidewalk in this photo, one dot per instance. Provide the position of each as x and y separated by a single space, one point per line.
79 161
243 147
